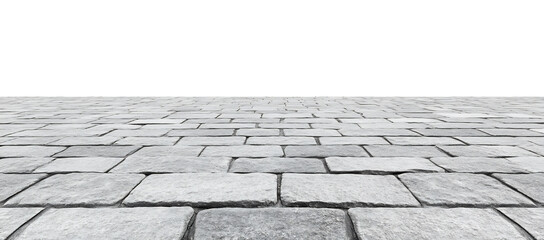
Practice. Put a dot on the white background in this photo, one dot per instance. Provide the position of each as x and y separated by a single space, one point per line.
273 48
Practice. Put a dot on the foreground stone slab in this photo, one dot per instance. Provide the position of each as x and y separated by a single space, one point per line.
478 165
78 189
85 164
404 151
531 164
173 164
271 223
278 165
346 190
431 224
21 165
242 151
461 189
205 190
13 183
325 151
532 185
28 151
110 223
97 151
530 219
486 151
12 218
380 165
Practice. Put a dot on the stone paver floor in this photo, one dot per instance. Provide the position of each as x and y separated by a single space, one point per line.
272 168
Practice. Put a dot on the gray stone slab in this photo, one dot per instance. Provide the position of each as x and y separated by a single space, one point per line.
30 141
148 141
258 132
205 190
478 165
424 141
346 190
532 185
379 165
431 224
242 151
511 132
173 164
226 125
486 151
311 132
11 184
530 219
212 141
110 223
506 141
28 151
325 151
201 132
404 151
281 141
77 189
168 151
278 165
21 165
71 141
352 141
460 132
97 151
461 189
377 132
531 164
13 218
272 223
83 164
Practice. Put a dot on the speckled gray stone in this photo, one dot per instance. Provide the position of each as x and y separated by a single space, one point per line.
431 224
271 223
404 151
242 151
85 164
478 165
278 165
530 219
325 151
486 151
212 141
21 165
532 185
13 183
281 141
173 164
110 223
380 165
13 218
163 151
97 151
28 151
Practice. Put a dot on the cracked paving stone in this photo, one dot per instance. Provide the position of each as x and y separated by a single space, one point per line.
380 165
352 141
478 165
404 151
110 223
205 190
173 164
77 189
281 141
21 165
325 151
272 223
278 165
532 185
168 151
243 151
431 224
346 190
530 219
12 218
531 164
97 151
211 141
11 184
28 151
461 189
84 164
486 151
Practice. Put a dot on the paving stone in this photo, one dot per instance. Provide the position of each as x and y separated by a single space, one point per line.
423 141
377 132
172 164
28 151
148 141
60 133
478 165
13 218
531 164
532 185
11 184
506 141
431 223
325 151
311 132
211 141
205 190
538 149
486 151
511 132
258 132
346 190
110 223
83 164
278 165
227 125
165 151
378 165
461 132
21 165
30 141
271 223
530 219
284 125
171 126
392 125
201 132
157 121
413 120
97 151
281 141
70 141
242 151
461 189
77 189
352 141
138 133
404 151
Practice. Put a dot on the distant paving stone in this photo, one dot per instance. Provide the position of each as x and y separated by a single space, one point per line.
461 189
97 151
272 223
201 132
413 120
12 218
148 141
478 165
346 190
284 125
84 164
311 132
138 133
110 223
205 190
531 164
212 141
486 151
506 141
277 165
325 151
28 151
392 125
380 165
431 224
173 164
404 151
227 125
377 132
171 126
352 141
60 133
166 151
21 165
70 141
77 189
423 141
532 185
511 132
157 121
258 132
13 183
281 141
461 132
243 151
530 219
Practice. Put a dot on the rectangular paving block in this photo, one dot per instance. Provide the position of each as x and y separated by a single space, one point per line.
311 132
13 218
201 132
380 165
404 151
431 224
532 185
22 165
272 223
11 184
530 219
352 141
168 151
478 165
28 151
461 189
325 151
461 132
531 164
242 151
148 141
172 164
346 190
98 151
277 165
211 141
83 164
258 132
281 141
205 190
423 141
110 223
486 151
381 132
